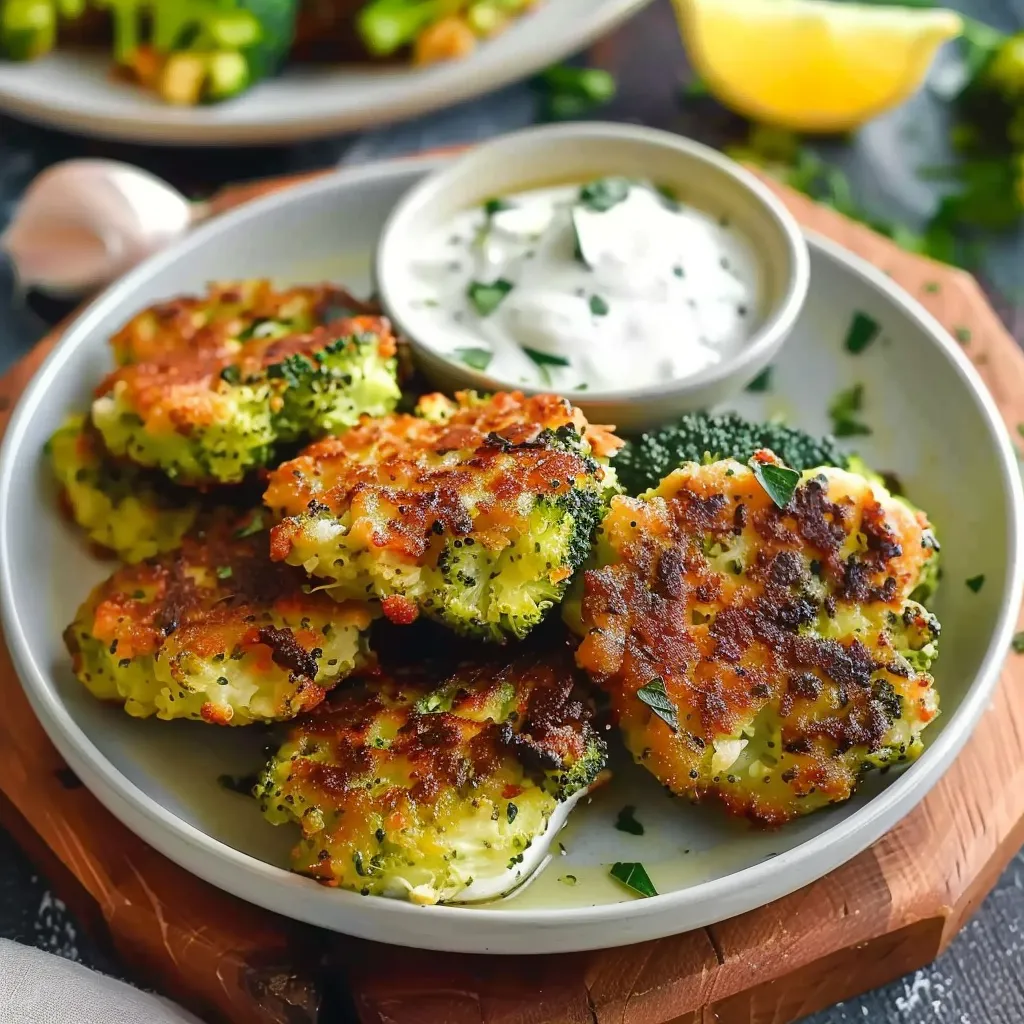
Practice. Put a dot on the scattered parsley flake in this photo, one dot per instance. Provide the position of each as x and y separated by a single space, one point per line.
654 695
932 287
634 876
486 298
598 306
779 482
962 334
1017 643
626 821
511 812
604 193
762 382
975 583
543 360
254 526
496 205
862 332
475 358
844 412
224 572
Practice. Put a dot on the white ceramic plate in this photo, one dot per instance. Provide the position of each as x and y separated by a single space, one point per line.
934 425
75 91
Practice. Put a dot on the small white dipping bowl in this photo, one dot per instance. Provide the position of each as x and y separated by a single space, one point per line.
578 153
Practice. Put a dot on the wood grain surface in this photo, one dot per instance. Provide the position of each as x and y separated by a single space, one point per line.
889 911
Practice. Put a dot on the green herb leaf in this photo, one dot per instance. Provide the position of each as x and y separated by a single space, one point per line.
486 298
593 86
511 812
975 583
779 482
604 193
224 572
545 358
476 358
844 412
635 877
654 695
932 287
762 382
496 205
863 330
231 375
254 526
626 821
962 334
598 306
1017 643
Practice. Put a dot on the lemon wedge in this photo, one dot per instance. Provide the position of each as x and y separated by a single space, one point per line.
812 65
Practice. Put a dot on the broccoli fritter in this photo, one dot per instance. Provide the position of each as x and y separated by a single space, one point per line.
705 437
765 656
129 511
215 632
212 418
436 787
476 513
228 316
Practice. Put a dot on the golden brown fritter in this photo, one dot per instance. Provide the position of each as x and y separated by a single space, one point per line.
213 417
215 632
228 316
477 515
765 656
435 786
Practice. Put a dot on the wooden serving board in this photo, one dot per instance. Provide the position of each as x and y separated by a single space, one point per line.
889 911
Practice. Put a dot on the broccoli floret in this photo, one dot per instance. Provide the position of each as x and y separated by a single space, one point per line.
207 419
477 517
432 787
705 437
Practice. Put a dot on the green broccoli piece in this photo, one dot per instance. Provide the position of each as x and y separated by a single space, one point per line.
707 437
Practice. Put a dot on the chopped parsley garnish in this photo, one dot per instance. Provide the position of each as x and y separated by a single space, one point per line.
511 812
598 306
844 412
570 92
962 334
486 298
1017 643
231 375
254 526
224 572
635 877
601 195
678 271
932 287
975 583
779 482
493 206
762 382
669 197
626 821
543 360
582 387
862 332
653 694
475 358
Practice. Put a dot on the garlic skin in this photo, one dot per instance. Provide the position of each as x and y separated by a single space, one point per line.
83 223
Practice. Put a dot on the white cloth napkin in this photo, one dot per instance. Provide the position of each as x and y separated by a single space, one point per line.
40 988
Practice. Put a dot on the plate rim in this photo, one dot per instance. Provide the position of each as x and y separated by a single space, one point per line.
466 930
163 125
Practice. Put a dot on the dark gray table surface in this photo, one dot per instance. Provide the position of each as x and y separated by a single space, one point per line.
979 979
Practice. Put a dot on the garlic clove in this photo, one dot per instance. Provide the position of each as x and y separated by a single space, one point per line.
82 223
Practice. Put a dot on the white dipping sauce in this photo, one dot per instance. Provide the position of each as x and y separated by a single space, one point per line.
603 287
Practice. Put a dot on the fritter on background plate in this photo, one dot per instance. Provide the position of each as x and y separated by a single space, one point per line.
436 787
212 418
760 654
475 513
215 632
229 315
